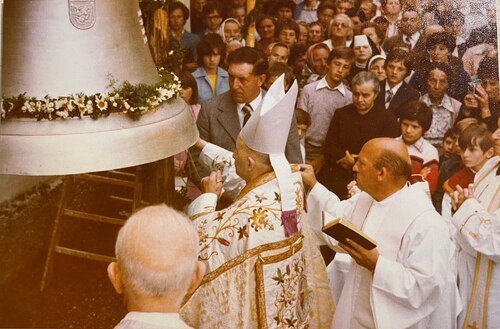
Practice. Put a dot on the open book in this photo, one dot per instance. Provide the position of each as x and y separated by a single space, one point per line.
340 229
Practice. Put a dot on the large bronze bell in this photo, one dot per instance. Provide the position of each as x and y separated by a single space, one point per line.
62 47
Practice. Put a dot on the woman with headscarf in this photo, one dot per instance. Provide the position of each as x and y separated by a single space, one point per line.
316 62
364 49
230 29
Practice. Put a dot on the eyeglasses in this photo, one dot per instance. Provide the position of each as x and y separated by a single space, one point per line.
342 25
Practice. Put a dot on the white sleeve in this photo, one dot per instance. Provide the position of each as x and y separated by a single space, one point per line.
321 199
479 228
218 158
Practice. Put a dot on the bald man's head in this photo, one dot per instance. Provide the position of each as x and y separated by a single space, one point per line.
157 252
391 154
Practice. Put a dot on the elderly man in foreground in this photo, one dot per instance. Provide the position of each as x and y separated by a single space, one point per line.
156 266
405 281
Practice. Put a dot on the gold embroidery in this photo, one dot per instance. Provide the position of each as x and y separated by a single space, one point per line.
249 254
261 180
259 220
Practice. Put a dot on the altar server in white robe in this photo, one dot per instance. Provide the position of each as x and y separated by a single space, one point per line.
477 223
262 270
404 281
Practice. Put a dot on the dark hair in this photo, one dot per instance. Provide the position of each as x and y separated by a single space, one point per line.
181 6
207 46
276 69
289 24
188 81
417 111
376 27
476 135
399 55
444 67
296 51
395 163
327 4
448 17
448 134
488 68
211 7
393 43
249 55
302 117
284 4
341 53
352 12
443 38
263 17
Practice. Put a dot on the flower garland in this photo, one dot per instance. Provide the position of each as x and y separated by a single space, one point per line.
132 100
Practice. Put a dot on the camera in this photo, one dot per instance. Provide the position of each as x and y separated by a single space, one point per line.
471 89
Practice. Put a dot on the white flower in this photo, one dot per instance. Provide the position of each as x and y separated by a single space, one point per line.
127 106
101 103
62 114
79 100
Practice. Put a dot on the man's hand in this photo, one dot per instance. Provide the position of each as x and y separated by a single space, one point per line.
308 176
364 257
460 195
212 183
347 162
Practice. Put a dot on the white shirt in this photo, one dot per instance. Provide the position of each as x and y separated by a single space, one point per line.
152 320
254 104
324 84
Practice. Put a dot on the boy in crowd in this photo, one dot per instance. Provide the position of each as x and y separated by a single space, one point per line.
477 233
476 148
415 120
303 120
448 145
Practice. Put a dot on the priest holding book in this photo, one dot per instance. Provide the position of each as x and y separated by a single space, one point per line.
406 281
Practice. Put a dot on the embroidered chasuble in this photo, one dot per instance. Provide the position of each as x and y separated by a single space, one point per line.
256 277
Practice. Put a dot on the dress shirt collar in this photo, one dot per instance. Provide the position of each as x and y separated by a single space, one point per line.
393 89
256 101
419 144
445 102
156 318
324 84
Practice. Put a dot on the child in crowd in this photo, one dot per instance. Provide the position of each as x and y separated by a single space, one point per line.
416 118
476 146
448 145
189 94
303 120
275 70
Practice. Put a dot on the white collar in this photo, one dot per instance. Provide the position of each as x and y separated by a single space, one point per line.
419 144
155 318
393 89
324 84
445 102
254 103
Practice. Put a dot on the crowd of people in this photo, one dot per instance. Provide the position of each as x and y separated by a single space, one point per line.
384 113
